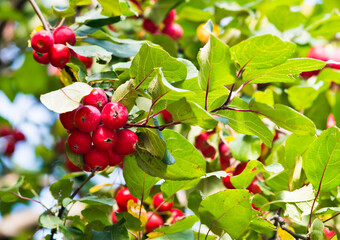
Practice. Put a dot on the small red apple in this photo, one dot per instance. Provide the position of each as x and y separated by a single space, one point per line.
122 197
126 143
155 221
64 35
158 200
42 41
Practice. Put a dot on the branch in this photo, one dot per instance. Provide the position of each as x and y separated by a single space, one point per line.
40 15
161 128
332 217
153 104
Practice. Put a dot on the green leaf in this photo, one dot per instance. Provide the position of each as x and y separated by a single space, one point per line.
131 222
194 14
302 97
260 225
137 180
191 113
76 159
245 147
285 72
194 200
119 231
95 200
6 196
151 142
261 52
188 159
96 213
94 19
171 187
246 122
92 51
266 97
61 189
66 99
70 10
150 57
216 67
102 76
186 234
228 211
316 232
283 18
160 10
48 221
303 194
126 95
110 8
178 226
285 117
322 160
325 27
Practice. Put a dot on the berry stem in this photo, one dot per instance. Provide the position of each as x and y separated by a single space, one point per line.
332 217
40 15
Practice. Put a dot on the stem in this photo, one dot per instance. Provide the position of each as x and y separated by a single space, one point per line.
153 103
61 22
141 203
31 199
40 15
332 217
161 128
213 224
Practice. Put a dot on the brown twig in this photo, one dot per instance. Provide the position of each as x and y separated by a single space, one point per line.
42 18
332 217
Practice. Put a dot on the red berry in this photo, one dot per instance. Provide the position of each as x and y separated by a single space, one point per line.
67 119
114 115
114 158
209 152
5 131
330 121
86 60
316 52
126 142
176 215
122 198
113 217
71 167
328 233
87 118
170 18
104 138
96 159
41 58
253 206
59 55
225 155
158 200
79 142
96 98
42 41
64 35
227 182
240 167
150 26
10 147
166 116
201 141
155 221
174 30
254 187
18 136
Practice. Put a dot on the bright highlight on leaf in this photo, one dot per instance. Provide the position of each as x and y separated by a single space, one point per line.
98 187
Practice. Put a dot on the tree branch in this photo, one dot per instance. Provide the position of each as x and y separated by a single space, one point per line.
332 217
40 15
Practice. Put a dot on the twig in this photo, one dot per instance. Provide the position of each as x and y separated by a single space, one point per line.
153 104
276 222
141 203
40 15
161 128
61 22
213 224
332 217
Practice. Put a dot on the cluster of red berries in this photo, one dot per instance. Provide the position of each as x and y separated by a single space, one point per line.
52 49
95 131
172 29
12 136
155 219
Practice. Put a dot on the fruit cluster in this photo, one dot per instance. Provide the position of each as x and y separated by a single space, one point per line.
12 136
95 131
155 219
48 48
168 26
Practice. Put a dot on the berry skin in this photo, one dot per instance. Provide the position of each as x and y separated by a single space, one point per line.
240 167
328 233
176 215
96 98
225 155
330 121
150 26
10 147
254 187
41 58
64 35
42 41
122 198
59 55
79 142
114 158
174 30
227 182
126 142
209 152
201 141
104 138
86 60
255 208
5 131
18 136
87 118
71 167
154 222
170 18
114 115
96 159
158 200
113 217
67 119
167 117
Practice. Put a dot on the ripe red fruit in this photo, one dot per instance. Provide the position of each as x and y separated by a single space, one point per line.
42 41
96 98
255 208
254 187
126 142
176 215
209 152
71 167
240 167
113 217
122 197
18 136
96 159
227 182
155 221
59 55
330 121
114 158
170 18
10 147
328 233
104 138
316 52
114 115
87 118
86 60
150 26
201 141
5 131
174 30
67 119
79 142
64 35
158 200
225 155
167 117
41 58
